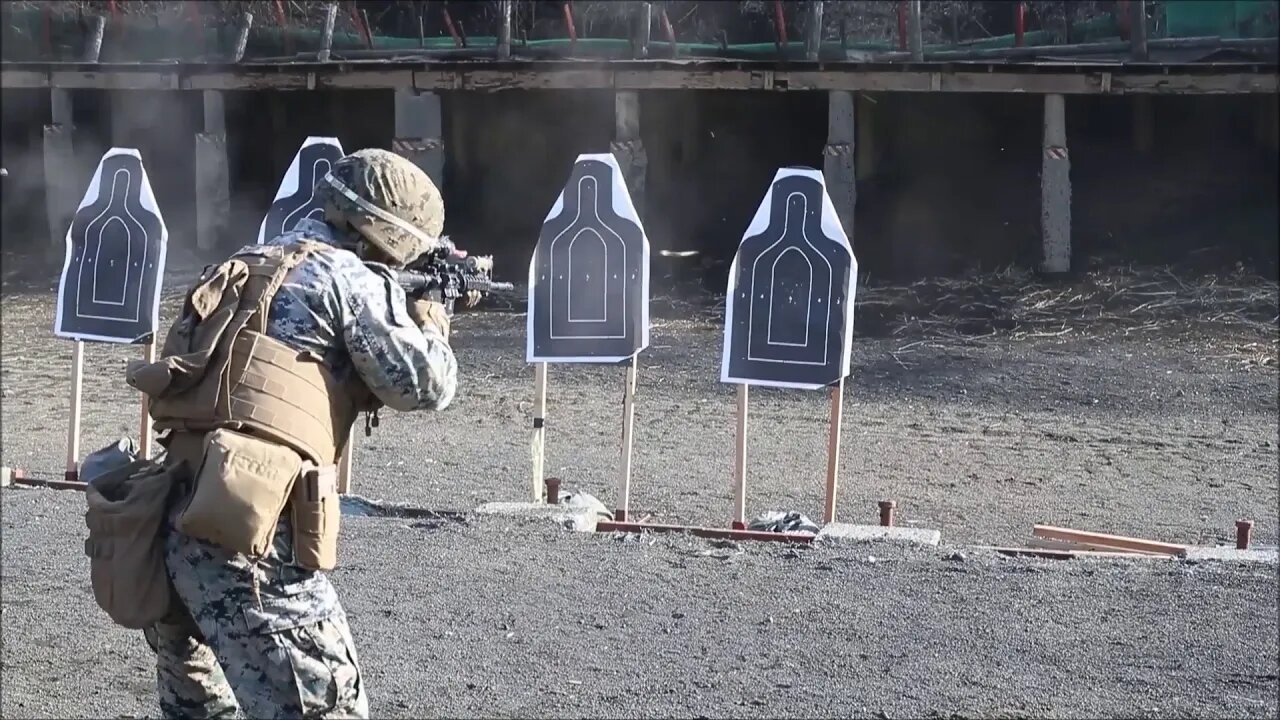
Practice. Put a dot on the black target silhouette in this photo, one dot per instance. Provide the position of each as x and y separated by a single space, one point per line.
789 292
589 274
313 161
110 284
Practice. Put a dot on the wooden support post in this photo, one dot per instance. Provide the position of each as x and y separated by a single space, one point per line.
504 29
326 35
93 43
1055 188
627 146
213 176
643 30
538 449
72 473
146 430
813 32
838 156
346 461
1138 30
740 461
419 132
915 39
60 172
1143 123
242 36
834 431
623 506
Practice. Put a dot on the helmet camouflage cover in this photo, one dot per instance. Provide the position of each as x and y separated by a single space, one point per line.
387 199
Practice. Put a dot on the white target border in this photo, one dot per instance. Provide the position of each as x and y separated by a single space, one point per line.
622 207
289 184
91 195
832 227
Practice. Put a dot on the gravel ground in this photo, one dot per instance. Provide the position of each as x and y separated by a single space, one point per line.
1165 433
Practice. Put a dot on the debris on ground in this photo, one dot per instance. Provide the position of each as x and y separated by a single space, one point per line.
586 502
787 522
113 456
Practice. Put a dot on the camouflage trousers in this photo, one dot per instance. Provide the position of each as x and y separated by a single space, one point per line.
262 639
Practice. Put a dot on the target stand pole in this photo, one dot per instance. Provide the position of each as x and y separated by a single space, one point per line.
628 424
345 462
146 431
740 463
833 450
73 431
539 429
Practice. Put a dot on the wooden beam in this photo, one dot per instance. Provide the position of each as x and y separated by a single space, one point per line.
1116 542
647 75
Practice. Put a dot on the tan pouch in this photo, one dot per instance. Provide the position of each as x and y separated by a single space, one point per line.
240 491
126 511
316 514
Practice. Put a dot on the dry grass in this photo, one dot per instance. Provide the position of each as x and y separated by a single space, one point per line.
1240 310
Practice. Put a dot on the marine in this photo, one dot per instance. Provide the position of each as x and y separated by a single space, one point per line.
276 352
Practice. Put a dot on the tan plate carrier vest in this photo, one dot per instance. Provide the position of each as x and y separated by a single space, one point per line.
219 369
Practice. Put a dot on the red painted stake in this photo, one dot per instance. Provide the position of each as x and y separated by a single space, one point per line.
1019 24
568 22
360 26
670 31
283 20
448 23
780 22
902 25
1243 530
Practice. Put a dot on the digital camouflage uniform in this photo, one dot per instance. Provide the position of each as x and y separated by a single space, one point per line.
272 638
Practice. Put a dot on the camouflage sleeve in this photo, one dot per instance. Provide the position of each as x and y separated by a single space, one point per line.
406 367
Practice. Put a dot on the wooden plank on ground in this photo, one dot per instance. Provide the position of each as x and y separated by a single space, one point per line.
1068 554
1114 542
1045 544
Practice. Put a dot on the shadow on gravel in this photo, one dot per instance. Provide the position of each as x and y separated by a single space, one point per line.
356 506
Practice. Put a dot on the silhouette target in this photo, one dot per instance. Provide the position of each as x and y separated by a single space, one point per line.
110 285
589 276
789 308
295 199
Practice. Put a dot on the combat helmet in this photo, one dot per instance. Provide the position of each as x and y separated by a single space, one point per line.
387 200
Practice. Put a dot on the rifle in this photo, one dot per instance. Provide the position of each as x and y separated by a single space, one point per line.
441 276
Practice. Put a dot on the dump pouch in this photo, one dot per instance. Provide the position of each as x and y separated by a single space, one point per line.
126 511
316 512
240 490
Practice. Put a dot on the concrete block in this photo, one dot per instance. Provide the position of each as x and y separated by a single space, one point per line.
570 518
847 532
1230 554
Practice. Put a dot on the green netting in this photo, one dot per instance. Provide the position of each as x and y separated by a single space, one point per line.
27 34
1223 18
